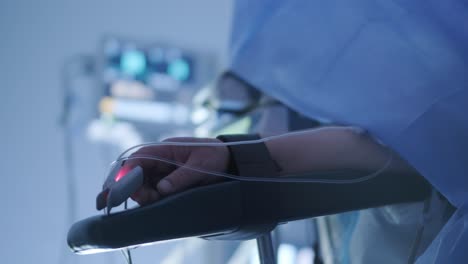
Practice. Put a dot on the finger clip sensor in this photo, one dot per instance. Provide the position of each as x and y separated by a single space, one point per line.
120 184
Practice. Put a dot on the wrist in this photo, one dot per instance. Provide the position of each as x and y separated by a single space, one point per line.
249 159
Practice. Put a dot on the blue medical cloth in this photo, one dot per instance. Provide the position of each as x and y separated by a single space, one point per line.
397 68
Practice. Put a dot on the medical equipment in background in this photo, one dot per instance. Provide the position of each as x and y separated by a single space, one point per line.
126 93
149 88
141 91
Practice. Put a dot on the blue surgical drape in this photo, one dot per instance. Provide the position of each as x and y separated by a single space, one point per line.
397 68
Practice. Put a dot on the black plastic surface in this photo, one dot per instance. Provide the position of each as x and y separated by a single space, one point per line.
224 207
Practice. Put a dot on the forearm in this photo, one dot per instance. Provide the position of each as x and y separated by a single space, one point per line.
332 148
347 152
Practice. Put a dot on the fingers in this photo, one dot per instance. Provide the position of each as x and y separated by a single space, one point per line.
162 179
153 171
211 159
179 180
151 151
145 195
146 157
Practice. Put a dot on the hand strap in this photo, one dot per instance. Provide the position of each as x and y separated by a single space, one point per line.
250 159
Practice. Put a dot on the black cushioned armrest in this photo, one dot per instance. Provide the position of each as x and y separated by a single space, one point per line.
222 208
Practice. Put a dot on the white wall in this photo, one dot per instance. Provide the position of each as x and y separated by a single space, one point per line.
35 38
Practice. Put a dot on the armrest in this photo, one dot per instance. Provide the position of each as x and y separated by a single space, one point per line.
239 210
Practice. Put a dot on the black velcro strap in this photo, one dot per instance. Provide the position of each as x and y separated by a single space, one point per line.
250 159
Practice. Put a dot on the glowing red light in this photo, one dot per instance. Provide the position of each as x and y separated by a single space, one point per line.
122 172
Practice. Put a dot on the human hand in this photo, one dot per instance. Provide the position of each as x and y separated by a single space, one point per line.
162 179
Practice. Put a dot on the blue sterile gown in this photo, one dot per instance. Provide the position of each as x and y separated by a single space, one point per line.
397 68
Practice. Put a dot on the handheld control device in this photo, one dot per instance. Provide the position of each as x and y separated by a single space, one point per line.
120 184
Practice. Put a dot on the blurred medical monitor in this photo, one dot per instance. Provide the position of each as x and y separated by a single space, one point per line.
151 85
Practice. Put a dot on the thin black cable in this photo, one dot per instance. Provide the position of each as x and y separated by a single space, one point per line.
126 251
130 261
125 256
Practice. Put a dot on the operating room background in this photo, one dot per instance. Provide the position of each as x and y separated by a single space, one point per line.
36 37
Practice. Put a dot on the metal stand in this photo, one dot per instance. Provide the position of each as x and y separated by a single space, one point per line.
266 252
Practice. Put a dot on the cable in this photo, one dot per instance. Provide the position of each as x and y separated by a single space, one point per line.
130 261
268 179
125 256
126 252
250 177
220 144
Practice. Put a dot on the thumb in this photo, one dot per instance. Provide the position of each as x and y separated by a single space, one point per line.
180 179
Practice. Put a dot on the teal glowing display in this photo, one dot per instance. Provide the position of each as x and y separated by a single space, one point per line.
133 62
179 69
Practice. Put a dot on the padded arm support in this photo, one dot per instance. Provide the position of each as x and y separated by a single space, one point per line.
222 208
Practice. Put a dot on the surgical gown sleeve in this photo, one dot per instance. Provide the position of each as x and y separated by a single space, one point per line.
397 68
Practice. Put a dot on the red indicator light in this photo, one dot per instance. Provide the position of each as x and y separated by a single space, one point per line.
122 172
